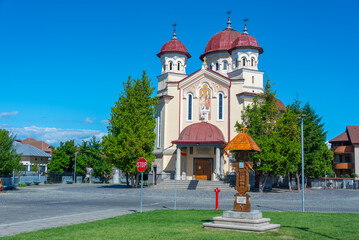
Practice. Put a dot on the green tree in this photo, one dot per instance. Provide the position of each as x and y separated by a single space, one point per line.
317 156
63 157
9 159
131 126
90 155
290 146
35 168
261 120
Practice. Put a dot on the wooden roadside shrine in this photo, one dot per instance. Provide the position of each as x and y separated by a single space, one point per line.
242 145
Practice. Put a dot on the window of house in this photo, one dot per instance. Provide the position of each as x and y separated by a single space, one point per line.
217 66
252 62
189 107
220 106
179 66
252 79
225 65
191 150
236 62
243 61
171 66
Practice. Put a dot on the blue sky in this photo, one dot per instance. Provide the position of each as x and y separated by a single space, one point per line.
63 62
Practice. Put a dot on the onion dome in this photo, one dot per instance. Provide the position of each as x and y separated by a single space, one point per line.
202 132
230 39
222 41
246 41
174 46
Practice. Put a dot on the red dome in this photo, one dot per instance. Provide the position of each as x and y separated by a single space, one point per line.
246 41
202 132
174 46
221 41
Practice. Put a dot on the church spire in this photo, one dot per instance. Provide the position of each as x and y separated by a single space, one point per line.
245 26
229 20
174 31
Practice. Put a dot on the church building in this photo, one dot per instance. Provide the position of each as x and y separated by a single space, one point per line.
197 112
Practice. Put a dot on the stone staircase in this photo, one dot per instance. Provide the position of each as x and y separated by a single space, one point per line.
193 185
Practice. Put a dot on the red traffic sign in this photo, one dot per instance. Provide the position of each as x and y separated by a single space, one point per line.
141 164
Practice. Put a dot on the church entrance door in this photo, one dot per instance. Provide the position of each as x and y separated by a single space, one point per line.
203 168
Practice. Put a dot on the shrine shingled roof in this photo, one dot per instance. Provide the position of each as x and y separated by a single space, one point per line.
242 142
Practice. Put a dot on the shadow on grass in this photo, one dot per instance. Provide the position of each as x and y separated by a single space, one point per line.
205 221
305 229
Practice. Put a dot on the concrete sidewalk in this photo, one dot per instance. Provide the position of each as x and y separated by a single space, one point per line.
52 222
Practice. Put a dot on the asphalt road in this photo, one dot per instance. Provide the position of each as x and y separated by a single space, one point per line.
37 207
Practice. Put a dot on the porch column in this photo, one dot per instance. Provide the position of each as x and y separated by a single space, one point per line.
178 164
218 164
222 166
184 168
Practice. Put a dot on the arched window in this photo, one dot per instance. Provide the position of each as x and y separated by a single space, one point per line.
220 107
178 66
217 66
252 79
225 65
171 65
236 62
243 62
252 62
164 67
189 107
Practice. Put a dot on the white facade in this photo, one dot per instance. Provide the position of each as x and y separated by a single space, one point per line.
216 93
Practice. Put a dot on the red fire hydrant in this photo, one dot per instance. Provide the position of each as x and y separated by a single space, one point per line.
217 190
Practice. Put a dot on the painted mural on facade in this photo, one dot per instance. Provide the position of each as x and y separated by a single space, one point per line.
205 103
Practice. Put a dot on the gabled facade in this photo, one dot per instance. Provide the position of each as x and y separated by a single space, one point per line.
197 113
346 152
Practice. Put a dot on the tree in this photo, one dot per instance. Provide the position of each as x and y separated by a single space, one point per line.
63 157
261 120
131 126
90 155
317 156
9 159
289 139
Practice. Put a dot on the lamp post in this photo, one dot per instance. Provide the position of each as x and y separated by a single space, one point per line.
75 168
302 138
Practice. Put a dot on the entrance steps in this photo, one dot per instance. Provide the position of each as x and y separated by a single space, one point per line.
193 185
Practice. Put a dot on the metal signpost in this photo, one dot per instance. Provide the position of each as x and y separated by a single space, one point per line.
141 167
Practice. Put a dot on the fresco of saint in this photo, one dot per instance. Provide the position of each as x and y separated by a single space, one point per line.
205 103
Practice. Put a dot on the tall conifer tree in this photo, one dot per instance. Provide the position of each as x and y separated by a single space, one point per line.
131 127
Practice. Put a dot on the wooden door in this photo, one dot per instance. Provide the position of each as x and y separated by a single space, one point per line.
203 169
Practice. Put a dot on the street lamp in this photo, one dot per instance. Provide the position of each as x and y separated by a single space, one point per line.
302 138
75 168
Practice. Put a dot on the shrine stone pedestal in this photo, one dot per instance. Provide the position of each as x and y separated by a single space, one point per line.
242 221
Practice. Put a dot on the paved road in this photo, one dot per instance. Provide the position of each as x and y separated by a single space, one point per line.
44 206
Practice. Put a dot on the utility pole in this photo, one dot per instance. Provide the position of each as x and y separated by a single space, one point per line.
302 138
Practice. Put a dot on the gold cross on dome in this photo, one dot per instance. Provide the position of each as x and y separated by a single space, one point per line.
244 128
204 61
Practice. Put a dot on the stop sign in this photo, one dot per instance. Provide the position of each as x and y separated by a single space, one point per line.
141 164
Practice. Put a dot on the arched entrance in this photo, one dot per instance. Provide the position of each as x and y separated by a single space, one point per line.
202 144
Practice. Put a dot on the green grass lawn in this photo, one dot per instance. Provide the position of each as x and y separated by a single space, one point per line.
187 224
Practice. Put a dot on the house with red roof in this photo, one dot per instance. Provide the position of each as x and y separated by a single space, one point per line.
346 152
197 112
43 146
